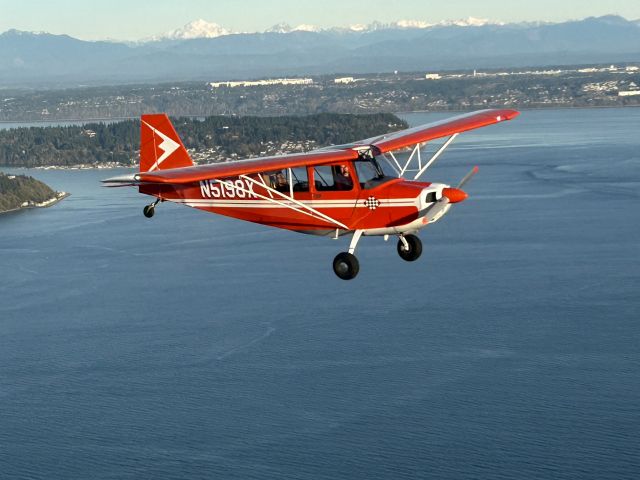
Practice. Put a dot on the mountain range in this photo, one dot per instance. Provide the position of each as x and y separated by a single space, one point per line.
202 29
209 52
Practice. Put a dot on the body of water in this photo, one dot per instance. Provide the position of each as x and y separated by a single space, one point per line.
195 346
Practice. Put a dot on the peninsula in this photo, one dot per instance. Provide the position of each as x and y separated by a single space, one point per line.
19 192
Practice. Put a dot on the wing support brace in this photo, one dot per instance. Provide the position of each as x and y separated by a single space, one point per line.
435 155
416 152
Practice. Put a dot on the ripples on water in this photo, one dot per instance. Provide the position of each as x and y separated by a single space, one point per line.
194 346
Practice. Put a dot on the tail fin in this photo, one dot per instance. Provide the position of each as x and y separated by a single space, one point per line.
160 145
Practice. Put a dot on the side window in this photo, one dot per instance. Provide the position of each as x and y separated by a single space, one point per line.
277 180
300 179
370 172
332 178
366 172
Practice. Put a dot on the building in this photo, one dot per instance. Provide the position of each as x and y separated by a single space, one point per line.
344 80
261 83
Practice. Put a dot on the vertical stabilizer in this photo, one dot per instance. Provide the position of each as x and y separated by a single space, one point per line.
160 145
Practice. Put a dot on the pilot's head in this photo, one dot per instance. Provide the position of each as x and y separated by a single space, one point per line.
280 179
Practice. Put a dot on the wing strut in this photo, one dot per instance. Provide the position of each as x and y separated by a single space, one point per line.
435 155
396 165
406 165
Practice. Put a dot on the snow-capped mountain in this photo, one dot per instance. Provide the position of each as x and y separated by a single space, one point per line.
421 24
469 22
376 26
196 29
286 28
411 24
418 25
203 29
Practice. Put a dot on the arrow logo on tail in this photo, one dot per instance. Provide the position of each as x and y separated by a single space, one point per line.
168 146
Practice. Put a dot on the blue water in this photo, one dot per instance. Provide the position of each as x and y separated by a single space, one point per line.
195 346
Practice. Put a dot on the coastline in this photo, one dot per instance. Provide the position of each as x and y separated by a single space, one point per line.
525 109
49 203
129 166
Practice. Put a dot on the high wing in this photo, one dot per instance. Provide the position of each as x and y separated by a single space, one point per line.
380 144
440 129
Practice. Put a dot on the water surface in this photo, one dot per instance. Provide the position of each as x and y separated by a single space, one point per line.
195 346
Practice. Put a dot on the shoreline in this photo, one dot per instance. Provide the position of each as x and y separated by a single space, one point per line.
7 168
114 166
557 107
49 203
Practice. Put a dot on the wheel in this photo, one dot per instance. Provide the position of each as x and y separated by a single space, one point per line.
149 210
415 248
346 265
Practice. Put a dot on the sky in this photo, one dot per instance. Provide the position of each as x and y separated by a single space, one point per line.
138 19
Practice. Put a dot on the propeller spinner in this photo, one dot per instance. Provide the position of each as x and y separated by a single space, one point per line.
450 196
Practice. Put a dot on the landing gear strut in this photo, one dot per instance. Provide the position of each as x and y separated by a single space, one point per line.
150 209
409 247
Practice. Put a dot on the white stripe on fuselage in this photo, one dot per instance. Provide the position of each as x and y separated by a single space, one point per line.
219 203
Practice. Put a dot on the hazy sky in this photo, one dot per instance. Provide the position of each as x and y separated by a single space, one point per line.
136 19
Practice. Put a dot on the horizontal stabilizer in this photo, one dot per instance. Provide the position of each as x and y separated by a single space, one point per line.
122 181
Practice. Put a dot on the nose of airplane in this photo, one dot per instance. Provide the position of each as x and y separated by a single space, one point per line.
455 195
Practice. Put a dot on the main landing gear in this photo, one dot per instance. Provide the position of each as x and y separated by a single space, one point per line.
346 265
150 209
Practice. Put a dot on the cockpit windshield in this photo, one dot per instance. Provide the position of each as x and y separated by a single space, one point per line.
370 172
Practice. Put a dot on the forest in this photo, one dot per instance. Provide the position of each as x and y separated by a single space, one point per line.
216 138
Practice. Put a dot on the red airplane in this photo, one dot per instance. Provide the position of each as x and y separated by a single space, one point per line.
357 189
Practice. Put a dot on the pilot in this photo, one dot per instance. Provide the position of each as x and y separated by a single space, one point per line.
280 182
343 178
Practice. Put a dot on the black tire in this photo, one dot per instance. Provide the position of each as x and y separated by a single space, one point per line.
149 210
346 266
415 248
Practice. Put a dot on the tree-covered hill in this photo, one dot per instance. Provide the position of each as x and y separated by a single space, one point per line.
214 138
16 190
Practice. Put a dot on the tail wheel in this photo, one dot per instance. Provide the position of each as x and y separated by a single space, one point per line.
414 249
346 265
149 210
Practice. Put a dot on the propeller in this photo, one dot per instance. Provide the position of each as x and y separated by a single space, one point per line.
449 196
468 177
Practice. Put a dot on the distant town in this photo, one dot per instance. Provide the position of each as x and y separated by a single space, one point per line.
579 86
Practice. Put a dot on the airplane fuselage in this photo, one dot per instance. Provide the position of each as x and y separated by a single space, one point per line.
392 207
